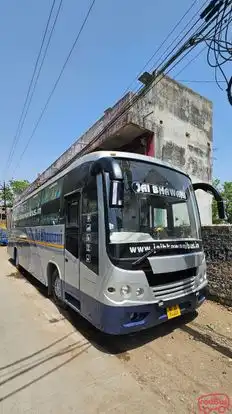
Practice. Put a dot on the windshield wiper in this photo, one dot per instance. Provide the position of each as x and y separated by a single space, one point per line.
144 257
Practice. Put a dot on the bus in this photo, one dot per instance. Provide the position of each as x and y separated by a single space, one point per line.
116 236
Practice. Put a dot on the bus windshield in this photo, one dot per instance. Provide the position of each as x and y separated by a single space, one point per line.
159 204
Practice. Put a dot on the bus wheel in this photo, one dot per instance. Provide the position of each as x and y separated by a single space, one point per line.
16 258
57 289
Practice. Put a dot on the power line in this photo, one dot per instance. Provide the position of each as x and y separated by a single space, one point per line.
219 46
38 75
156 77
157 68
190 61
161 45
127 107
19 126
200 81
192 41
56 83
141 92
178 36
195 39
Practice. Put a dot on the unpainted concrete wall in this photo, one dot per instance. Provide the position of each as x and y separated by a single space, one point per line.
217 242
182 124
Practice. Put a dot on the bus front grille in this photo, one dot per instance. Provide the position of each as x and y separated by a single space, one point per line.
173 290
159 279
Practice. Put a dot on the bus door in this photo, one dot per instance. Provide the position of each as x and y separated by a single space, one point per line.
72 247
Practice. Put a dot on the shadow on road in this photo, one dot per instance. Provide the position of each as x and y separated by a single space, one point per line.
208 340
75 349
18 361
120 344
117 345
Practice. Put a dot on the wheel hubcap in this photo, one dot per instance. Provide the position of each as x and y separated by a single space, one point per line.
57 287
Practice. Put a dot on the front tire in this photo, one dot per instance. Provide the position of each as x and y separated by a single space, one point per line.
57 289
16 258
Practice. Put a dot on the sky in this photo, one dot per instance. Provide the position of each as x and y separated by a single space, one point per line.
118 39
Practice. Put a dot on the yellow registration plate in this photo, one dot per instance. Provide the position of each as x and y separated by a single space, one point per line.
173 311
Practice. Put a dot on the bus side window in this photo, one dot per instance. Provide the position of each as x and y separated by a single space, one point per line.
90 201
72 214
50 204
72 234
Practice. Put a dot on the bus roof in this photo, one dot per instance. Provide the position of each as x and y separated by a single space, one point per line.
91 157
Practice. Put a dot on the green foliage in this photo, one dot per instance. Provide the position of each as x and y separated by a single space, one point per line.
226 191
13 189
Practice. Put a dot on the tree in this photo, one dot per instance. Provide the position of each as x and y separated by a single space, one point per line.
227 194
13 189
215 219
226 191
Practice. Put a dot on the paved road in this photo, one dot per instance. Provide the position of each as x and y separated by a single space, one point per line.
54 363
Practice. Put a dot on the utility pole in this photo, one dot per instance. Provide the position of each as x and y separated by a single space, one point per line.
4 200
3 189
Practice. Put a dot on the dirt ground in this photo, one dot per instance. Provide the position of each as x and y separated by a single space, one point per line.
52 362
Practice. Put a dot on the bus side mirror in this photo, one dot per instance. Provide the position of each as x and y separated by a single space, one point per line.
221 210
111 166
208 188
116 195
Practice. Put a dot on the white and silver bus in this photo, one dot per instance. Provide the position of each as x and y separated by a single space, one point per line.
117 237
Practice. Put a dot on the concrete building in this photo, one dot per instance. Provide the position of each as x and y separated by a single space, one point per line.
170 122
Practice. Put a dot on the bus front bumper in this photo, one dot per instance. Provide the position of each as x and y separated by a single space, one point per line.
128 319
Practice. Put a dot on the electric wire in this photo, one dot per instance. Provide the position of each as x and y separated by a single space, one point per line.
219 45
200 80
172 43
196 38
55 84
127 107
183 37
15 139
142 90
162 44
37 76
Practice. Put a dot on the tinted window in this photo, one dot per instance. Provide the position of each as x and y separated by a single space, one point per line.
50 213
50 204
28 213
35 210
76 178
52 192
23 214
72 224
72 213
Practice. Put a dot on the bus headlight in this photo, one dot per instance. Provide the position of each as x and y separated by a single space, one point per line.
125 291
139 292
201 279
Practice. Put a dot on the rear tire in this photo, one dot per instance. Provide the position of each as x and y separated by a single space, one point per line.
57 289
